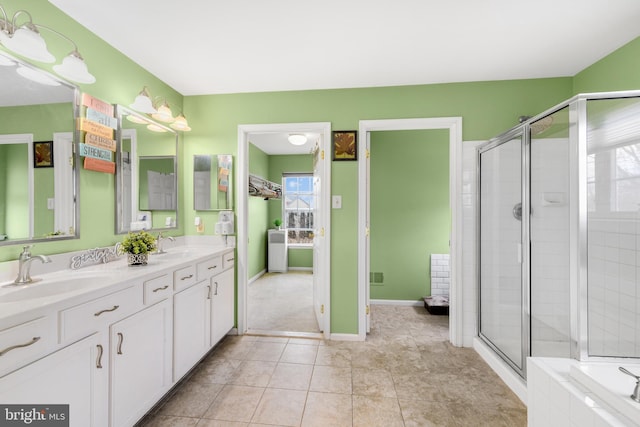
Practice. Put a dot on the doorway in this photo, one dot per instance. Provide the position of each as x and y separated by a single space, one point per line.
454 126
321 244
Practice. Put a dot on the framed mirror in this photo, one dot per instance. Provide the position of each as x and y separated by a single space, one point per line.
38 112
212 182
146 173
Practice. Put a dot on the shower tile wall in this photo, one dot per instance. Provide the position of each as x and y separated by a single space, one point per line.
500 239
550 314
613 223
614 292
470 242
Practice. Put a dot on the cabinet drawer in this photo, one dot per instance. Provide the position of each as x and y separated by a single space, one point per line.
228 260
184 277
209 268
84 319
157 289
24 343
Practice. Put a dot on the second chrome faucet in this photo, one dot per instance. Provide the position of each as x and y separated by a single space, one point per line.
24 265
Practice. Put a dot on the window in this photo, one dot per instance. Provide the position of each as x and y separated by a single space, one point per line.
298 203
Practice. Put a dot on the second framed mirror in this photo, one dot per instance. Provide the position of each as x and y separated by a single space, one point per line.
146 174
212 182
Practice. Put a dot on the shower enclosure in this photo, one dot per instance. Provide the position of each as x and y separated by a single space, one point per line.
559 233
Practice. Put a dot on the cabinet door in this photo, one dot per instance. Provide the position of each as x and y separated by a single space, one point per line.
77 375
140 362
222 308
191 327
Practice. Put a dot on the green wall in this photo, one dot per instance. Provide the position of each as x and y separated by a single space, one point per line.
410 215
487 109
258 215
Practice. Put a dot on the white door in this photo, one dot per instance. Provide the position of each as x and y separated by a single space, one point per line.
318 236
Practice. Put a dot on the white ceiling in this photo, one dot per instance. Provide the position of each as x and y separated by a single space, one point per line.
276 143
213 46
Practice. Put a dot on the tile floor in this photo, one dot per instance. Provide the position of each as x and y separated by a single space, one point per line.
282 302
405 374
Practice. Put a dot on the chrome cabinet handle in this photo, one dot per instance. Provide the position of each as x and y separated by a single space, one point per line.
212 267
161 289
187 277
230 259
99 358
209 292
120 341
216 291
115 307
13 347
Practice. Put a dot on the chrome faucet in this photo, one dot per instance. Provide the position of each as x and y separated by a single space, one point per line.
160 249
636 392
24 265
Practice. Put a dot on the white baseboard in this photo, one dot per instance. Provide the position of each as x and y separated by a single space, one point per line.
396 302
301 268
504 371
257 276
345 337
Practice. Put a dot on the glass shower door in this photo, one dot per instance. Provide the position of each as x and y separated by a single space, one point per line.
501 297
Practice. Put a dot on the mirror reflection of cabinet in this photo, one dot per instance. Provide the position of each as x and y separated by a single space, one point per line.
212 178
146 173
38 203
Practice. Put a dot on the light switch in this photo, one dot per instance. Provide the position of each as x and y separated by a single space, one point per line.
336 202
51 204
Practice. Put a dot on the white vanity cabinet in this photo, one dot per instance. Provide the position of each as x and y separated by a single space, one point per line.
113 354
76 375
222 305
191 327
140 357
203 313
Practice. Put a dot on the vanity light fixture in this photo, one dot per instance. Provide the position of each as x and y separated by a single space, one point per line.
164 113
297 139
136 119
155 128
25 40
36 76
143 103
6 62
181 123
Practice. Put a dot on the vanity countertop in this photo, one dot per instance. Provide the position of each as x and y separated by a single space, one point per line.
67 287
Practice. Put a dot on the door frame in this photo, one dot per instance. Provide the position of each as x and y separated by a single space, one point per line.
454 126
323 128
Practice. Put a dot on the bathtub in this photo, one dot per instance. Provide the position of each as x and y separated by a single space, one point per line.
566 392
606 382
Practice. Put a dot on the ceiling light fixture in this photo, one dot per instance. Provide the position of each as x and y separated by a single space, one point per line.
297 139
143 103
26 40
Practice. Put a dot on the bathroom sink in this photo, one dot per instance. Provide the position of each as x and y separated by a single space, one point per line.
47 287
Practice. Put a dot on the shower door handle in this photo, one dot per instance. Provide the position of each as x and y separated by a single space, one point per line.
517 211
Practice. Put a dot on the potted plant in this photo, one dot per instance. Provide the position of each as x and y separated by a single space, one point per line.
277 222
137 247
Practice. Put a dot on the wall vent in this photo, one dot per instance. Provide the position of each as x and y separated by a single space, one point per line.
376 277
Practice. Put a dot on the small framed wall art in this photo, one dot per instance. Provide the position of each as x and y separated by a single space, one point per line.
345 145
43 154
